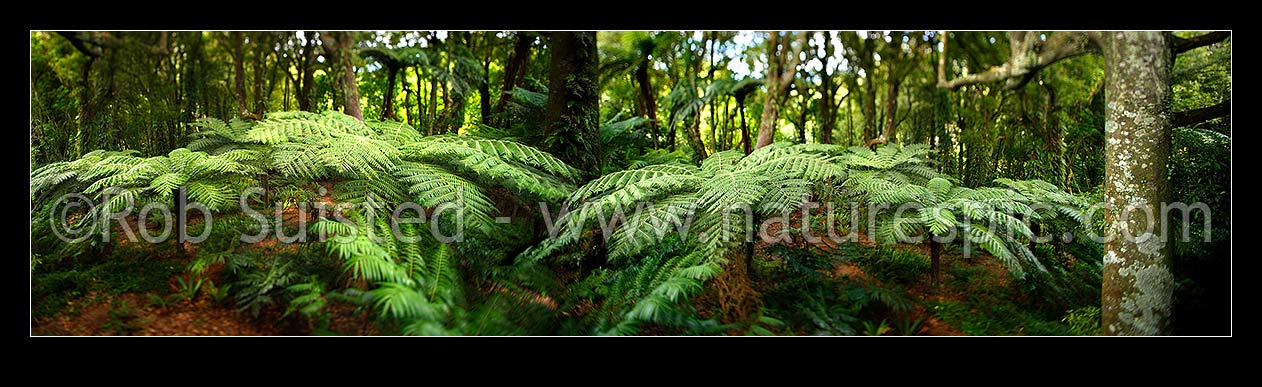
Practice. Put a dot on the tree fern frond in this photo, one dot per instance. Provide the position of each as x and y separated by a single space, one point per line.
721 160
515 152
403 302
357 156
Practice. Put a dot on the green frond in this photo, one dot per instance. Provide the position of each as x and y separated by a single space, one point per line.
621 179
804 166
368 260
394 132
784 195
647 226
211 195
431 187
940 220
727 189
721 160
357 156
164 184
513 152
402 302
487 166
982 236
296 161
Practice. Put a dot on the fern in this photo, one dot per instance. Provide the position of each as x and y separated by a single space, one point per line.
774 177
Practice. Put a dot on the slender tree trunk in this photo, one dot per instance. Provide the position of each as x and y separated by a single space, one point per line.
262 47
1138 283
407 100
181 221
484 90
285 93
801 121
869 89
420 95
387 105
693 129
727 126
935 262
236 41
573 110
516 65
745 144
307 68
431 119
646 94
850 121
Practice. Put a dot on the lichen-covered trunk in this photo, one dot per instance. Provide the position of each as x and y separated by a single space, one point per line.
572 130
1138 284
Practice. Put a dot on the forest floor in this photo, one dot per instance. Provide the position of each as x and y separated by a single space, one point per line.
151 294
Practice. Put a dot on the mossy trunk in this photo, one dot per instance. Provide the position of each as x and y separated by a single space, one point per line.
572 130
1138 283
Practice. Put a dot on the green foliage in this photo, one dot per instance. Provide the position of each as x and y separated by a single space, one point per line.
53 286
894 264
933 206
123 319
1084 321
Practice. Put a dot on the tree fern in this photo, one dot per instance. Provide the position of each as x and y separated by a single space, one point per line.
770 179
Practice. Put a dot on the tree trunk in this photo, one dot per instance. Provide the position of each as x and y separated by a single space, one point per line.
935 262
891 107
827 109
181 221
1138 283
646 94
744 128
340 46
236 40
484 90
801 121
573 110
516 64
387 106
262 48
850 121
869 89
307 67
779 77
431 104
